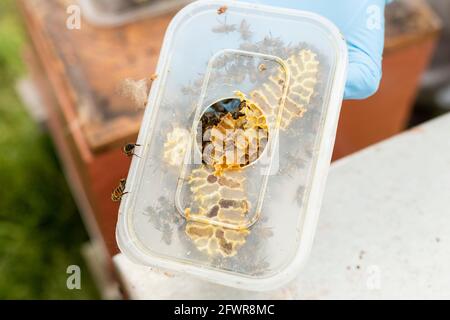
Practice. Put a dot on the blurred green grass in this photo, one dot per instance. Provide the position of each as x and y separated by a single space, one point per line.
40 228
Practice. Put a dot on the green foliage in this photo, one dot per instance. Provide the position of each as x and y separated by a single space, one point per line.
40 228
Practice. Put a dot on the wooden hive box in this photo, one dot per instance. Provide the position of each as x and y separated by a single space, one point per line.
412 30
78 73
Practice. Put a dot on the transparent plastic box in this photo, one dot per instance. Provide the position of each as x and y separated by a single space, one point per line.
235 144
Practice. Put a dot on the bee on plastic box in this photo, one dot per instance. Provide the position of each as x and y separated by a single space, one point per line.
119 192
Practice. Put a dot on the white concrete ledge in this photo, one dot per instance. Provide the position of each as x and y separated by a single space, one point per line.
384 230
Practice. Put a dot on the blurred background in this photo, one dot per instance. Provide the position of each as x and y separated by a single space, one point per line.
40 229
62 124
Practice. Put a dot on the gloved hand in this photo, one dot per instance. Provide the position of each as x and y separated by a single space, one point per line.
362 24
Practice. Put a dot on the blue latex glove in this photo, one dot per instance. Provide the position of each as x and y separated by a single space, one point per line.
362 24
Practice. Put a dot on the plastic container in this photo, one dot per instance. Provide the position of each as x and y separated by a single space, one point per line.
112 13
235 144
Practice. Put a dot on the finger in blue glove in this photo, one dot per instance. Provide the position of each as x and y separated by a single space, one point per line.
362 24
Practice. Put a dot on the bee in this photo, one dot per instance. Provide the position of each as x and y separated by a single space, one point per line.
153 77
119 192
262 67
238 112
222 10
245 31
223 27
129 148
